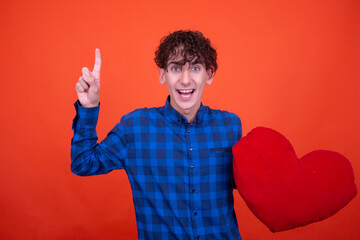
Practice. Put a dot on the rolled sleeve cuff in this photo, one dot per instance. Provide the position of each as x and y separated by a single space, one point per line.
85 117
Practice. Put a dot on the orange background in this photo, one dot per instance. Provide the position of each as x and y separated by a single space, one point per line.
289 65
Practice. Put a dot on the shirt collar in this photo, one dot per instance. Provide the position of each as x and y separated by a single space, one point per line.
177 117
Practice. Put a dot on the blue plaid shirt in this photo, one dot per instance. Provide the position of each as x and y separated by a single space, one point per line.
180 174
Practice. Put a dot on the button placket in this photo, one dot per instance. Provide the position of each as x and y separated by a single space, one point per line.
190 138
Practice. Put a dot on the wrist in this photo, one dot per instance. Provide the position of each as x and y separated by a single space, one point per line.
89 105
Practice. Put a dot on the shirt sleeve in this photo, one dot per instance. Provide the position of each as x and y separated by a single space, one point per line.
89 157
239 136
240 129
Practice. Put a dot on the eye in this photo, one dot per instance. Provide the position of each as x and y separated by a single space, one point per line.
175 69
196 68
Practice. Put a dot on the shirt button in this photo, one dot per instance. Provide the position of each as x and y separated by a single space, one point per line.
195 213
191 149
198 237
188 131
193 191
192 166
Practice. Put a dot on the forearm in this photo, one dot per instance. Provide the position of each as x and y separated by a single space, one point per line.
87 157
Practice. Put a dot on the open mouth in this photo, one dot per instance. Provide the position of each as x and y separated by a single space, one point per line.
185 92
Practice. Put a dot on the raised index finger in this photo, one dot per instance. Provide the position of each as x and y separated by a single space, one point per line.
97 65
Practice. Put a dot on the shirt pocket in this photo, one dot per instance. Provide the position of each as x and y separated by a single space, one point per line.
221 152
222 159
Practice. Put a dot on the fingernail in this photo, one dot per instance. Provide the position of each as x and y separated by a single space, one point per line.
84 70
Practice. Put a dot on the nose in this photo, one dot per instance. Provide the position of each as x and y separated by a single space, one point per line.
185 78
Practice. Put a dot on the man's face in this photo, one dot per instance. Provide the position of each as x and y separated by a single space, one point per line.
185 84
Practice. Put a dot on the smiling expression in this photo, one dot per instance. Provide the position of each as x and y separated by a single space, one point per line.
185 83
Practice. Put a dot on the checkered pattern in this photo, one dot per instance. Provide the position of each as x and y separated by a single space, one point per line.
180 173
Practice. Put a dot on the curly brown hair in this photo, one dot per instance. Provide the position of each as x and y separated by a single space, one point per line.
191 44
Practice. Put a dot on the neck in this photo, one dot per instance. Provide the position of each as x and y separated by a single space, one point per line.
190 117
189 114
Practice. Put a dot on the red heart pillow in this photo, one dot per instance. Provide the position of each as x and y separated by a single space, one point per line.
284 191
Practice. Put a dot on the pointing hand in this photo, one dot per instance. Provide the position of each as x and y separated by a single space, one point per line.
88 86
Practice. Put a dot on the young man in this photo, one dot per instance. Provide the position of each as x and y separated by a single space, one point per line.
177 157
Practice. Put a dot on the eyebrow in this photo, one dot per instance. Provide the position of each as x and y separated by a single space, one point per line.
196 62
182 62
176 63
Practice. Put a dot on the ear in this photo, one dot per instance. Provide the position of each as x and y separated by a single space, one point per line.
210 76
162 76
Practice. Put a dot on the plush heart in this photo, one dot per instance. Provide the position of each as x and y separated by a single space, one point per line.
284 191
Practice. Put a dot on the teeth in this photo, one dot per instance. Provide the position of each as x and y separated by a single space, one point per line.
185 91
